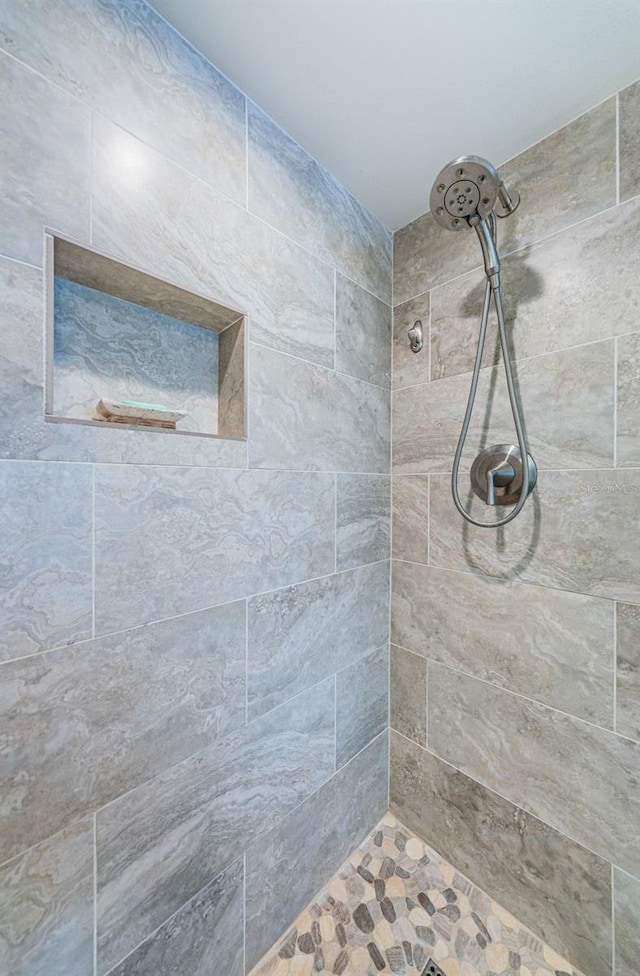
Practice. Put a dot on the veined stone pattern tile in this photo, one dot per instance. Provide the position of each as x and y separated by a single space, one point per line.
363 519
363 333
45 573
545 178
630 141
110 713
575 287
23 430
628 401
571 515
576 777
554 646
291 863
125 60
44 125
301 634
305 416
362 703
395 904
628 670
425 255
410 524
289 190
567 398
46 907
168 222
171 540
410 367
408 694
113 349
161 843
627 915
202 938
560 890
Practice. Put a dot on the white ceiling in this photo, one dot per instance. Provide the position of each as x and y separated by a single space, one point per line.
385 92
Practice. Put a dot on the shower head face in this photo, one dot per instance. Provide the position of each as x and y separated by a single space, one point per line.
465 187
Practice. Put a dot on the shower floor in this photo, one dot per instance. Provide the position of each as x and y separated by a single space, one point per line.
396 904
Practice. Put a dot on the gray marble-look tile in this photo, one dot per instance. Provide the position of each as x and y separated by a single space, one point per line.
556 887
46 907
127 62
578 778
202 938
52 130
305 416
289 189
363 333
292 862
550 645
408 694
363 519
45 573
410 521
362 703
629 102
77 715
628 402
304 633
425 254
171 540
568 403
628 670
627 923
155 215
570 516
575 287
162 842
410 367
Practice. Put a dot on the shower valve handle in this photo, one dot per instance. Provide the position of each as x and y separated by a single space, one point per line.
499 477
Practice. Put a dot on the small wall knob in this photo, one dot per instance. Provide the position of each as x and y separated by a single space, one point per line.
416 336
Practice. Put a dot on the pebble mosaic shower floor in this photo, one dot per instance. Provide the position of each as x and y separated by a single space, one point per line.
396 904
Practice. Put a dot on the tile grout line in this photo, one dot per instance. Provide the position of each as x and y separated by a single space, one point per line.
95 894
613 921
617 147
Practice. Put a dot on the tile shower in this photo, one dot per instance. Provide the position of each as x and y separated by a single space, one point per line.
195 661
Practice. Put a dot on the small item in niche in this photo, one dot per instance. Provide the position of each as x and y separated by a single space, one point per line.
141 414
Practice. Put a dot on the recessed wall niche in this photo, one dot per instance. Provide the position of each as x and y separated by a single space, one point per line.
127 349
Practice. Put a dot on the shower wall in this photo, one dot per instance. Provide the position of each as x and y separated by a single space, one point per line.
194 645
515 663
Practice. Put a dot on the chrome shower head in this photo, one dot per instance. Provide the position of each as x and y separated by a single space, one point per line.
468 190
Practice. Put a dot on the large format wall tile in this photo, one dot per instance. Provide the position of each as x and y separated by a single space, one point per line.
410 367
170 540
77 715
577 286
571 516
362 703
292 862
162 842
558 888
410 521
425 254
51 130
628 401
567 398
408 694
546 644
45 573
627 923
46 907
363 334
363 519
630 141
202 938
148 211
301 634
289 190
628 670
304 416
125 60
576 777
